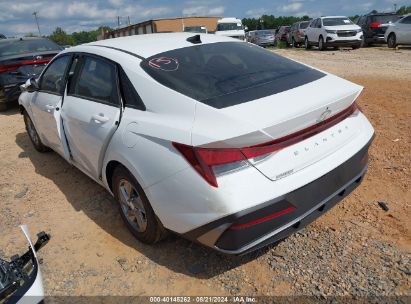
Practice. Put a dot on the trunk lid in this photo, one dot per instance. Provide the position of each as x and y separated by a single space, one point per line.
267 119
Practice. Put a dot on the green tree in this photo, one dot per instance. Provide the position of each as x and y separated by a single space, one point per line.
271 22
61 37
404 10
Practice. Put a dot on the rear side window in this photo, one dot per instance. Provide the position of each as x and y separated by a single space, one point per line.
385 18
96 81
227 73
129 93
304 25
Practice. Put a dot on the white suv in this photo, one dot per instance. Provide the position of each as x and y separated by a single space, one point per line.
333 31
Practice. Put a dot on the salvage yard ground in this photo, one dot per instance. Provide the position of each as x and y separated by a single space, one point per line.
356 248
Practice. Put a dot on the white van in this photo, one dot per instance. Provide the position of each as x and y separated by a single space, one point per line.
230 27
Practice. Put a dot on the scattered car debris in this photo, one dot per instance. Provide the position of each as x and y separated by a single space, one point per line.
383 206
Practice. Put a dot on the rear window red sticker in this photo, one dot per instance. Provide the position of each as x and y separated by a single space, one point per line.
164 64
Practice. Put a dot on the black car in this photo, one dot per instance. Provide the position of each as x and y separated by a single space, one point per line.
21 59
375 25
2 36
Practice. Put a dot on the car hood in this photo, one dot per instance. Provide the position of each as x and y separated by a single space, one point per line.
343 27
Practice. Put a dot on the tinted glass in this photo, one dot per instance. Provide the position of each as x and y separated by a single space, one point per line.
227 73
229 26
406 20
385 19
97 81
11 47
263 33
304 25
53 78
129 93
336 21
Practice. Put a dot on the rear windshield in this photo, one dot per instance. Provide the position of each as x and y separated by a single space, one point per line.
336 21
304 25
263 33
227 73
13 47
385 18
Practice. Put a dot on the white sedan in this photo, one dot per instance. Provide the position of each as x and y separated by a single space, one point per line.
218 140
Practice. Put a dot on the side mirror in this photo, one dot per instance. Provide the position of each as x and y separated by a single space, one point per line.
32 85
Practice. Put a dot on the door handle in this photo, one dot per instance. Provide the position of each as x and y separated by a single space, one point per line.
100 118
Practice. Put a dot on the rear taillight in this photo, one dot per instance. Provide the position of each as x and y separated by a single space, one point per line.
14 66
375 24
298 33
204 159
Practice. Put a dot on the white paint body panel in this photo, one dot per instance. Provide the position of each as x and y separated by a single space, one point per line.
180 197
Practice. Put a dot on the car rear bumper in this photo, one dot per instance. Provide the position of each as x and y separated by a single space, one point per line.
375 39
278 218
10 93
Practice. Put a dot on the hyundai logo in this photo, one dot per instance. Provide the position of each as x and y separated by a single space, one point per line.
324 115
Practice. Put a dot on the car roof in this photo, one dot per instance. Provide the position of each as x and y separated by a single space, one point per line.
150 44
383 14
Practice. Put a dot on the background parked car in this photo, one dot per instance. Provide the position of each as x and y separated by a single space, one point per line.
195 29
2 36
282 33
333 31
21 59
375 25
297 33
399 32
261 37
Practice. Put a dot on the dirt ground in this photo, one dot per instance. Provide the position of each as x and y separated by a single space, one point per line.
355 249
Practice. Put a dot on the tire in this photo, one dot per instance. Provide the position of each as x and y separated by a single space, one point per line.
135 208
354 47
307 44
321 45
392 41
33 135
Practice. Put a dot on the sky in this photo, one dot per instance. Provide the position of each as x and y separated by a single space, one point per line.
16 17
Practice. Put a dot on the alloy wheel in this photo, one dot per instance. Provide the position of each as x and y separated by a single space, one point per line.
132 206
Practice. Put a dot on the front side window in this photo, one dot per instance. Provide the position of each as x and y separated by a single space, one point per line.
406 20
53 79
227 73
97 81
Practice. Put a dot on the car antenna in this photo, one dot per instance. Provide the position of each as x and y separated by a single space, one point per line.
194 39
